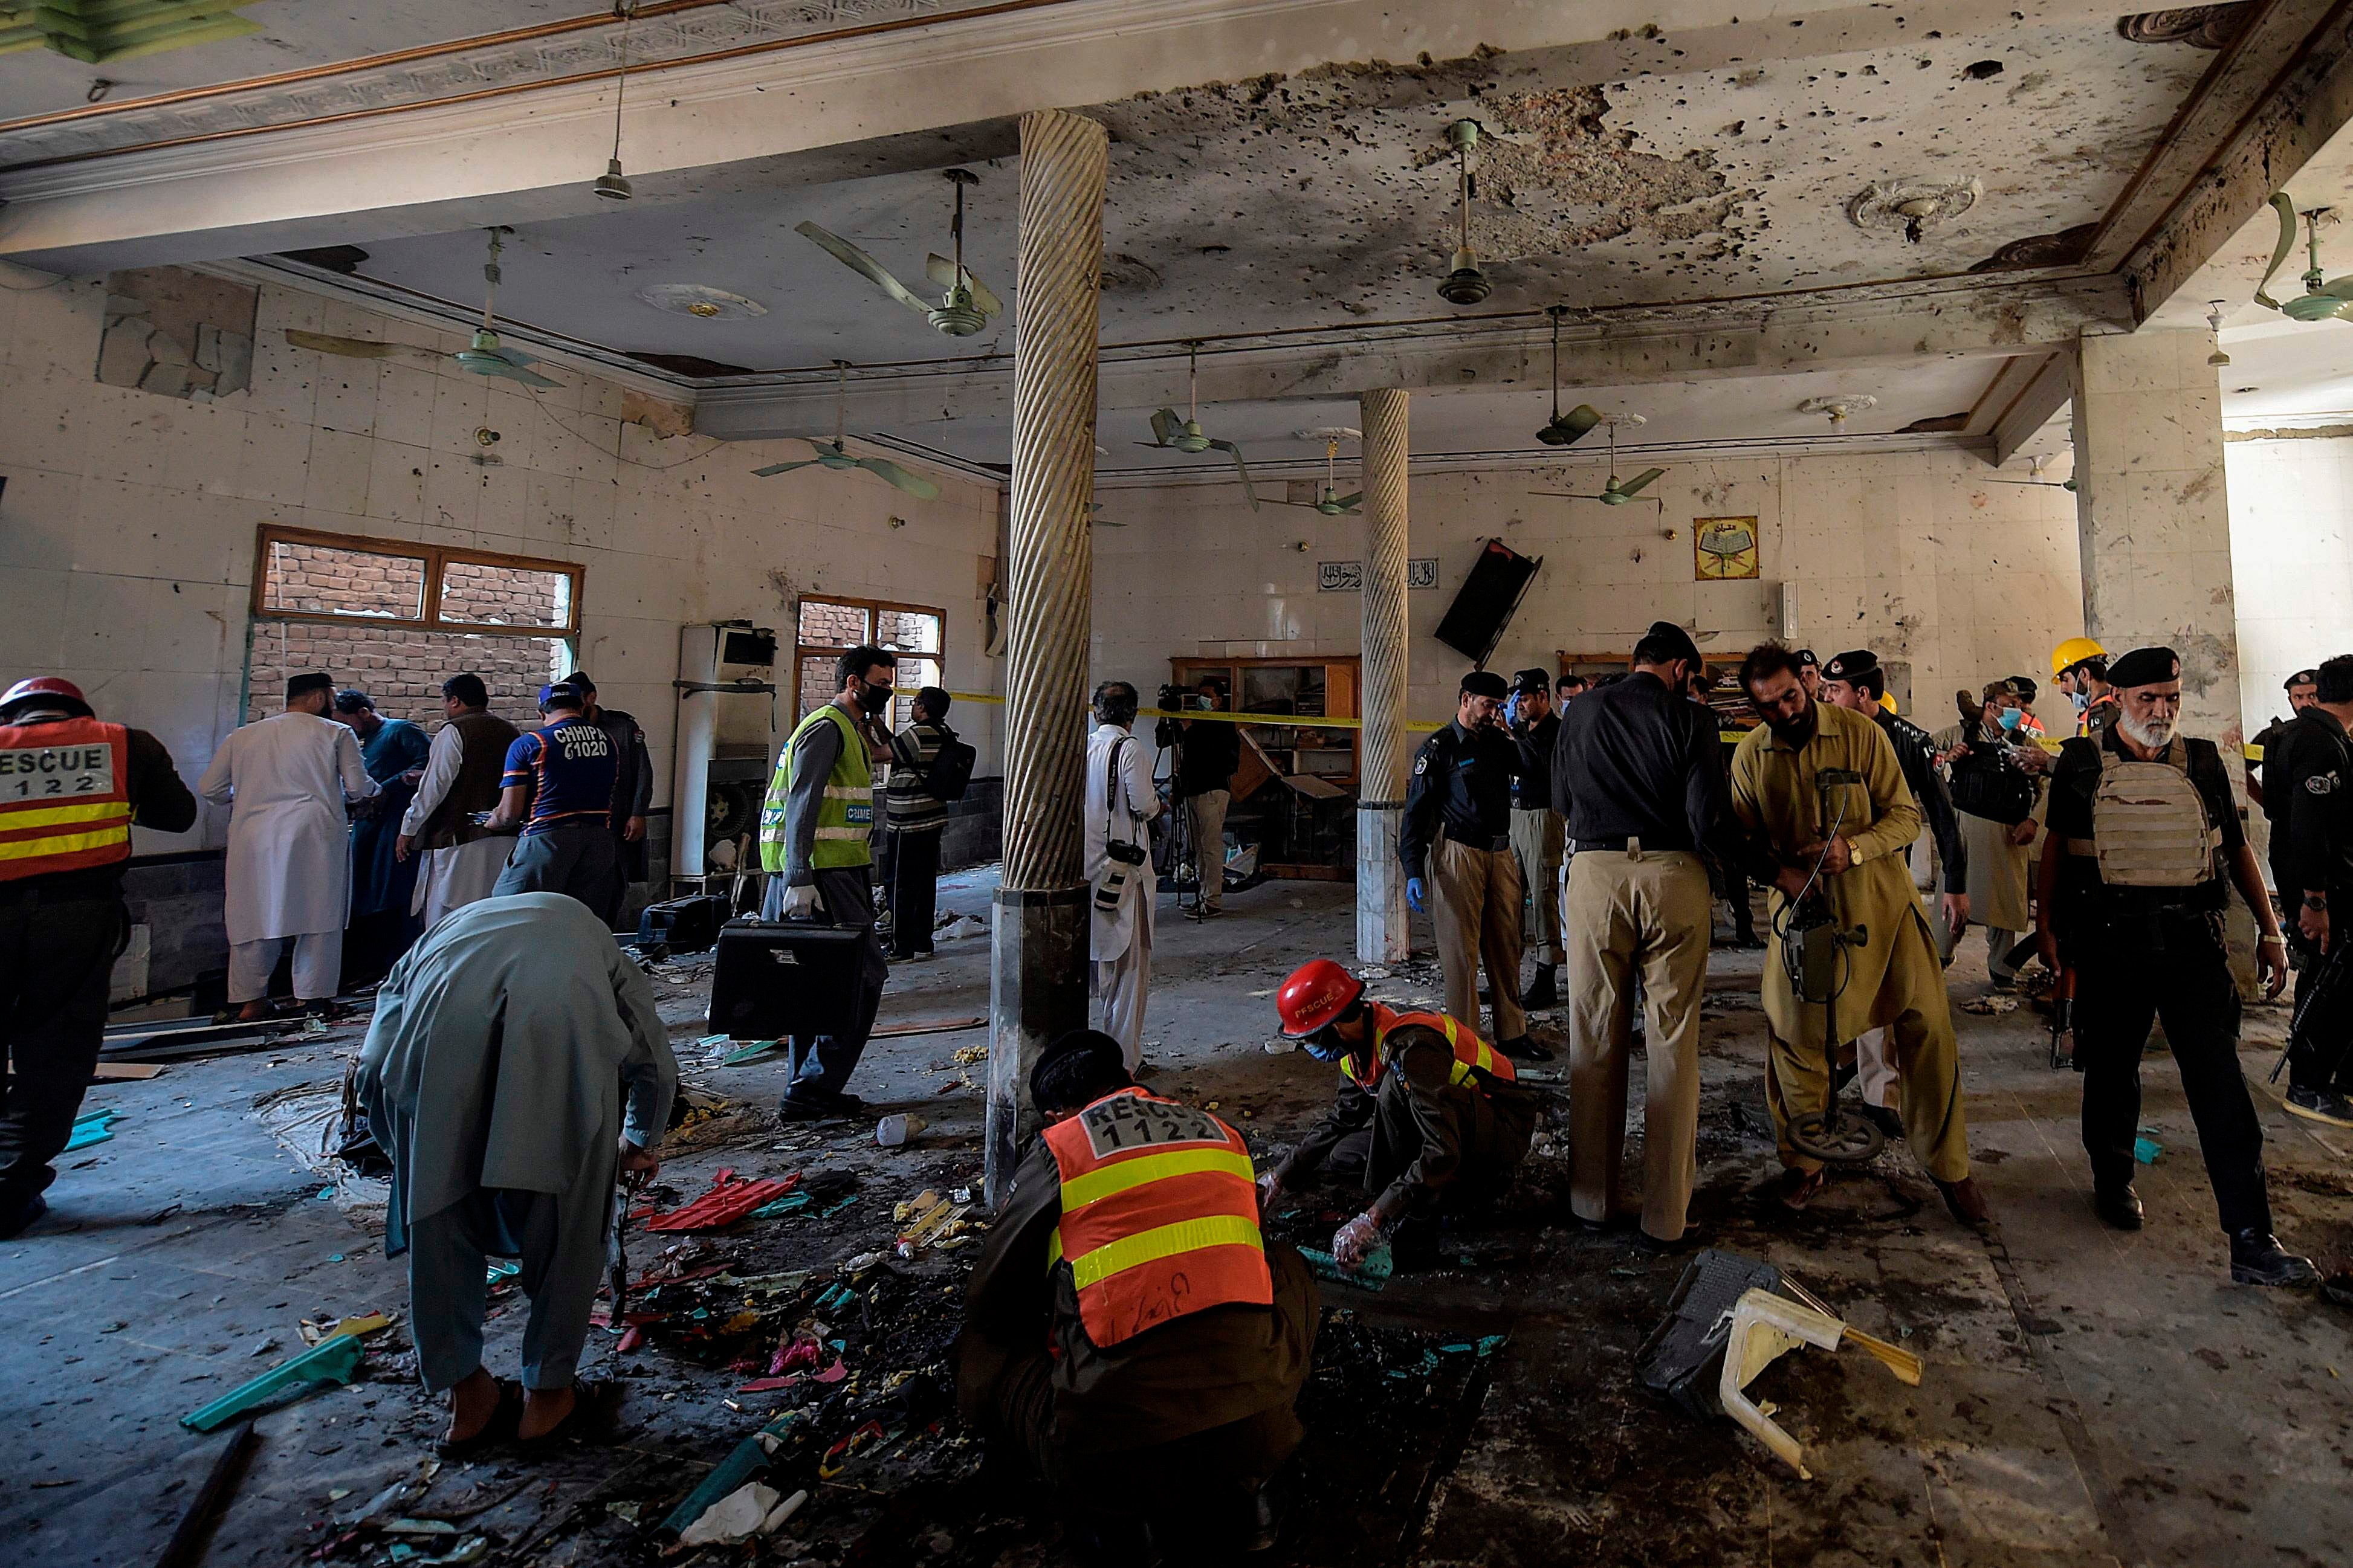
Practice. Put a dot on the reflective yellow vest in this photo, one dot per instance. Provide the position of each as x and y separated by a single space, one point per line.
1470 1050
845 818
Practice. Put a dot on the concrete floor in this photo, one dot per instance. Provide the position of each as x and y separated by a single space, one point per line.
2089 1397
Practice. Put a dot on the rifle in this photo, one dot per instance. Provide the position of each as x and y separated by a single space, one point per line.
2310 1006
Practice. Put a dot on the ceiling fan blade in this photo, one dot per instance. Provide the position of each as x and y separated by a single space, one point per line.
1566 495
2287 210
914 485
349 347
1240 468
506 369
1348 503
1640 481
774 468
1165 426
865 265
942 271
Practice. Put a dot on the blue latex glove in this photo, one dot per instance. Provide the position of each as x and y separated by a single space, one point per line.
1413 894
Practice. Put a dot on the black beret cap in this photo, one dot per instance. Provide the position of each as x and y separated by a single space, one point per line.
1485 683
2144 667
1091 1041
2301 677
1851 666
1669 632
1532 680
1806 655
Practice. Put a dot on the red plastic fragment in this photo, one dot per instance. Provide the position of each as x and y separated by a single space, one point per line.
728 1200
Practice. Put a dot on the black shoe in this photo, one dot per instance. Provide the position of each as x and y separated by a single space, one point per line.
2320 1105
1746 937
1521 1048
23 1218
2120 1207
2258 1259
1265 1526
821 1108
1544 991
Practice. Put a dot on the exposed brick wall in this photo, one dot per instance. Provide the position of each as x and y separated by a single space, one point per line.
402 668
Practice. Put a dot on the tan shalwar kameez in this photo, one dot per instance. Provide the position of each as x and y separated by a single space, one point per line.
1894 979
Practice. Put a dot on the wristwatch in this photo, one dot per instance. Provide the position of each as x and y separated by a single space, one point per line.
2312 901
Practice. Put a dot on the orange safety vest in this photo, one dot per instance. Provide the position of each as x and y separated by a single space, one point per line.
65 797
1470 1050
1159 1214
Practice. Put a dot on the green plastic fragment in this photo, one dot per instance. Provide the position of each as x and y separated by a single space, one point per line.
95 1127
1372 1274
335 1359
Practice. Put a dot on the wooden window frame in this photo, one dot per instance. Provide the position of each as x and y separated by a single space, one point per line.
434 557
802 651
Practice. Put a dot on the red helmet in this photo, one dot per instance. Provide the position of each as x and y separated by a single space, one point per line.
49 686
1317 991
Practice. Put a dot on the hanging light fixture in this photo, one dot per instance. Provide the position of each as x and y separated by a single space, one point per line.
612 185
2219 358
1466 285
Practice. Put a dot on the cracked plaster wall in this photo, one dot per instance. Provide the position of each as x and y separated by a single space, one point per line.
127 531
1915 554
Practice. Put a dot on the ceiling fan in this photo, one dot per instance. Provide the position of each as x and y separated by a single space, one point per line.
2322 299
1328 499
1617 492
834 454
484 356
969 303
1564 429
2034 472
1187 435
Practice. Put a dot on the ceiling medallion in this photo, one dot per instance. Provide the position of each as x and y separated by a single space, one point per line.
702 300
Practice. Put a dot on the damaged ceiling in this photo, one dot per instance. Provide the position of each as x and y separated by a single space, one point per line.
1329 196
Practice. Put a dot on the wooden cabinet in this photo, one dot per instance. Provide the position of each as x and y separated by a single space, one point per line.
1294 794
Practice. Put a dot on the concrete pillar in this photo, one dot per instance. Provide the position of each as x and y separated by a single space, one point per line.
2153 513
1037 979
1383 935
2154 516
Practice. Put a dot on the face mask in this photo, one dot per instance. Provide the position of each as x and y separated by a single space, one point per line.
2081 700
875 698
2010 718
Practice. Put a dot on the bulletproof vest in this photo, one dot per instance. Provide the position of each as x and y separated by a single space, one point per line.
2149 825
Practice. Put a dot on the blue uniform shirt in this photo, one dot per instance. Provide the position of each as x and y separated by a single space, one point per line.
569 767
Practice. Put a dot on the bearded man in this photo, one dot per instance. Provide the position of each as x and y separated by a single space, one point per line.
2143 848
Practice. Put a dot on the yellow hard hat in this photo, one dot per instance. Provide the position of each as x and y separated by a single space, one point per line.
2073 652
1887 700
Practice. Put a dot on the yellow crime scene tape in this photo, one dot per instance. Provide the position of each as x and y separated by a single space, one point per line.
1317 722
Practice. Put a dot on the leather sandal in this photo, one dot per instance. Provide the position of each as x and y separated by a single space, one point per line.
588 1406
1798 1188
500 1428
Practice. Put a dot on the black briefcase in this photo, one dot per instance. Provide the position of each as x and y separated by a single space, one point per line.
793 978
683 925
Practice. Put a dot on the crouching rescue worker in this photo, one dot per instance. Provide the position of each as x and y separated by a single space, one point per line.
70 787
1128 1333
2144 842
1443 1121
514 1069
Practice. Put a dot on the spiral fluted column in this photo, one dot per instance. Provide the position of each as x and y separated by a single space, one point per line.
1037 986
1382 933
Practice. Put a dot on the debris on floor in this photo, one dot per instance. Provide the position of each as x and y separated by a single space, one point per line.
335 1359
1764 1327
91 1127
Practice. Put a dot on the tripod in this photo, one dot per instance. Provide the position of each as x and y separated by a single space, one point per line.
1178 840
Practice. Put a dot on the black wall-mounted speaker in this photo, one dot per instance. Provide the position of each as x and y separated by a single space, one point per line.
1475 623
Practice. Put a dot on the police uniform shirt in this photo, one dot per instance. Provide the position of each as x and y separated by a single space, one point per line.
1915 750
569 767
1633 760
1532 790
1461 783
2312 802
2075 779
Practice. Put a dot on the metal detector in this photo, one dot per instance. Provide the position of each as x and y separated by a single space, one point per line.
1812 944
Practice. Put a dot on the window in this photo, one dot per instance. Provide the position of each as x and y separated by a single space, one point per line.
395 619
832 627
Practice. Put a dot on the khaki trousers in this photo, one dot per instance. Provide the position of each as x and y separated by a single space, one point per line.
1537 842
1209 809
1475 907
1629 915
1928 1088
